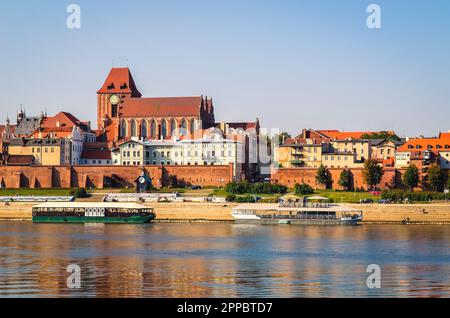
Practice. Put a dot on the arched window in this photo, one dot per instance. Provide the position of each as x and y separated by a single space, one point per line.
123 129
153 129
164 129
193 126
183 130
173 127
144 129
133 129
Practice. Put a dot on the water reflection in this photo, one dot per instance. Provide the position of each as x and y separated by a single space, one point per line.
223 260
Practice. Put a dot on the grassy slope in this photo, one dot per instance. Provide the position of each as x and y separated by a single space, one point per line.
35 192
337 196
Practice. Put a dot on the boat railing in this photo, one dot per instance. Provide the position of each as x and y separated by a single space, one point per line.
299 217
304 205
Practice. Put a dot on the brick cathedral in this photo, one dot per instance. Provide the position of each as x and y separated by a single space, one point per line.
122 112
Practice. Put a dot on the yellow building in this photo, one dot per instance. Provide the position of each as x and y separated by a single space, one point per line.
384 148
46 152
300 155
360 148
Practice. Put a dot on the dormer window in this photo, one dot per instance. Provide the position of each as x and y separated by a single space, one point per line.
447 146
123 86
418 147
410 146
111 86
438 147
430 147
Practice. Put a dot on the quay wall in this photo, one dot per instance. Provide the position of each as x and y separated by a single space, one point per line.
290 176
191 212
110 176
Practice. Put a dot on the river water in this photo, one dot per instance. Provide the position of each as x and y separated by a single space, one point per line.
223 260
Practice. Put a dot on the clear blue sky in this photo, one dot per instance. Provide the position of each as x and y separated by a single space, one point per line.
294 64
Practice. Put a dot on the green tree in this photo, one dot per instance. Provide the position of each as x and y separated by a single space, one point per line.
381 135
283 137
346 180
411 177
372 173
435 177
323 177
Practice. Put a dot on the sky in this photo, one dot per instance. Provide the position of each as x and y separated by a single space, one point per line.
292 64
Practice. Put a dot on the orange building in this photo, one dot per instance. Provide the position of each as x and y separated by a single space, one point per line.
423 152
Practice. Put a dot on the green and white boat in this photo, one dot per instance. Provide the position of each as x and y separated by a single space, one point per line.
83 212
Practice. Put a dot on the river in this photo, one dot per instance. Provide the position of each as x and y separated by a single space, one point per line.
223 260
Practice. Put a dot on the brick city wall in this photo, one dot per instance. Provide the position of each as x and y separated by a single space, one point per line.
110 176
289 177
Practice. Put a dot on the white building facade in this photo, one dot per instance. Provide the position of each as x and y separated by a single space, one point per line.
210 150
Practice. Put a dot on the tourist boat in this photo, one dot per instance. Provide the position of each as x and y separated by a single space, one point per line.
299 211
80 212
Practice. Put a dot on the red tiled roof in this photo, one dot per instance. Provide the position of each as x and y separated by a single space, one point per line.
161 107
336 134
61 120
389 162
3 129
120 81
244 126
96 154
20 160
421 144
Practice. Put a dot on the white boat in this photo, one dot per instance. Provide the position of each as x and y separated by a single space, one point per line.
297 212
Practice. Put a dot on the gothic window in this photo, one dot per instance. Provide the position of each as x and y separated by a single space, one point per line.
193 126
153 129
133 129
144 129
164 129
123 129
183 130
173 127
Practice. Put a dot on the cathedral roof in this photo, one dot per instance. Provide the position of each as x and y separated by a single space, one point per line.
162 107
120 81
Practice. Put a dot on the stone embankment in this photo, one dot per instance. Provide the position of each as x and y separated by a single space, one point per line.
214 212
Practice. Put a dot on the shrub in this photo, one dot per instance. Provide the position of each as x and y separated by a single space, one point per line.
231 198
79 193
303 189
243 187
423 196
246 199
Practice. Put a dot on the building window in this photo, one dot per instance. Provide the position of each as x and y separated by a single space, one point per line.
193 126
164 129
123 129
153 129
173 127
144 129
183 130
133 129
